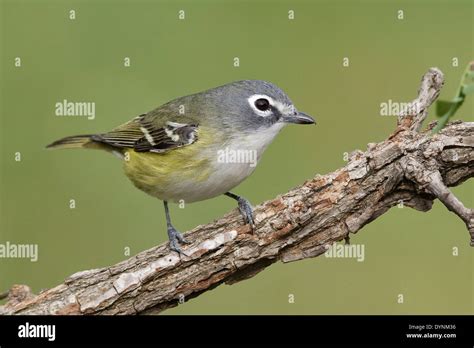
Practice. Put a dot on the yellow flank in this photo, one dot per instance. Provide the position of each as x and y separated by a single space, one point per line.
159 173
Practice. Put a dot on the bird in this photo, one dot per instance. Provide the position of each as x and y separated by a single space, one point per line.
198 146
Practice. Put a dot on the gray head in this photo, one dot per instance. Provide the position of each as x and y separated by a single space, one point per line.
249 105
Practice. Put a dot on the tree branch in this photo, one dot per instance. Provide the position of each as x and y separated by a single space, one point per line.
408 168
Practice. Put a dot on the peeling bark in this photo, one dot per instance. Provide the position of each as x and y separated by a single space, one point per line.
409 167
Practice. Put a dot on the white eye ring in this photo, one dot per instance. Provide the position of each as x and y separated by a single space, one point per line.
254 98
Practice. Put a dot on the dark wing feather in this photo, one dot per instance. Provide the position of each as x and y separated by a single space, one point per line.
144 134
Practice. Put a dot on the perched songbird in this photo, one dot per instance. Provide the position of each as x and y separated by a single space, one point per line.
198 146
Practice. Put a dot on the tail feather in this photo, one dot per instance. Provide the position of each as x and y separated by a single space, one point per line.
75 141
87 141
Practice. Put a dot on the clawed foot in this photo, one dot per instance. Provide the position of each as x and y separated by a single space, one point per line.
246 210
175 239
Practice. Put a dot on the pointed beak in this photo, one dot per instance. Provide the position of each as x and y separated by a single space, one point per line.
298 118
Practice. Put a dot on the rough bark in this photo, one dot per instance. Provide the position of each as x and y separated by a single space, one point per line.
409 168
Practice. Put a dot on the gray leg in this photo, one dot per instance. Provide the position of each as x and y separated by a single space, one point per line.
174 236
245 208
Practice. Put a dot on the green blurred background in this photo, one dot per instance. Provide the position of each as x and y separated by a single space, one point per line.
406 252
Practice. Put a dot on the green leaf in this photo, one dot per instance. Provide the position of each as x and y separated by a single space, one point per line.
469 74
468 89
446 109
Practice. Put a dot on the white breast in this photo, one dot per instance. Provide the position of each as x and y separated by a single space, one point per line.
231 164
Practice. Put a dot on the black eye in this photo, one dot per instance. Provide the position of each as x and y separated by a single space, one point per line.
262 104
